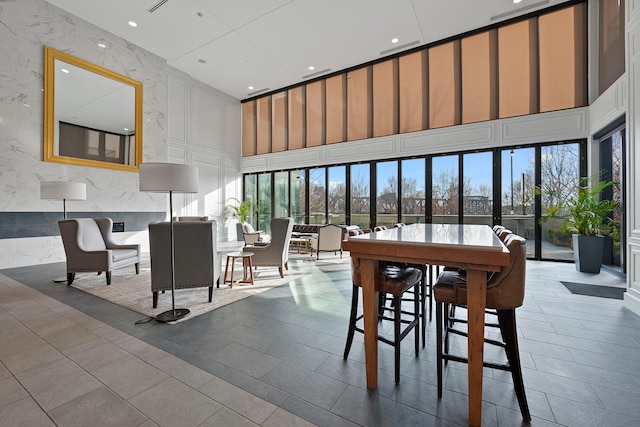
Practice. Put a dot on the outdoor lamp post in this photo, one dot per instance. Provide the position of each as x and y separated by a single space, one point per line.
512 153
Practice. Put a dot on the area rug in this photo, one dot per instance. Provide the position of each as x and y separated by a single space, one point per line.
595 290
133 291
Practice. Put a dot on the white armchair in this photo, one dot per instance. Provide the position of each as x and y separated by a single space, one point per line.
329 240
253 237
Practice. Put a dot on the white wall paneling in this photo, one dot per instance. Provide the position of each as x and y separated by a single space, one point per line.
609 106
546 127
632 296
177 126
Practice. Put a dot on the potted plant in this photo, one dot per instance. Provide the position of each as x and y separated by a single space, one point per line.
588 218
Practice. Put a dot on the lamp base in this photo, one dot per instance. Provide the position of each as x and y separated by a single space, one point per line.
172 315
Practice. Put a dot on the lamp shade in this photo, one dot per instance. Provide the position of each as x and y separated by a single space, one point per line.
61 190
166 177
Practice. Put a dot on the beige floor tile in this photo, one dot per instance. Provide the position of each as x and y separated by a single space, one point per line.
129 376
47 323
19 340
11 391
100 407
183 371
56 383
71 337
96 357
139 348
227 418
172 403
239 400
25 412
32 358
282 418
109 333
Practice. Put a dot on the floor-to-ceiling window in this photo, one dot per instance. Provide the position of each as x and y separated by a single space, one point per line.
412 191
317 195
387 193
477 188
444 189
517 195
337 196
360 187
298 195
487 187
560 180
613 168
264 202
281 194
250 194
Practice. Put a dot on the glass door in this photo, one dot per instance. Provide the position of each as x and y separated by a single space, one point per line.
517 193
477 188
613 168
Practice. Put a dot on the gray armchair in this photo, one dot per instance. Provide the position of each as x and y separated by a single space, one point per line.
276 252
197 263
89 248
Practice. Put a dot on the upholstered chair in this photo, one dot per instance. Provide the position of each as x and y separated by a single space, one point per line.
276 252
505 292
253 237
197 263
329 239
89 247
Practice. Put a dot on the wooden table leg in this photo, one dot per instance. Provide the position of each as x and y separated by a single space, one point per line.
370 308
250 270
476 303
226 270
233 265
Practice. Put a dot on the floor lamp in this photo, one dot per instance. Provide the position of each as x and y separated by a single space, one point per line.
63 190
169 178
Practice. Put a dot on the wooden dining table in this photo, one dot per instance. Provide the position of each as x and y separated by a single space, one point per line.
473 247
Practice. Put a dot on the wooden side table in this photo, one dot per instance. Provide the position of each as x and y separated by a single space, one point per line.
246 266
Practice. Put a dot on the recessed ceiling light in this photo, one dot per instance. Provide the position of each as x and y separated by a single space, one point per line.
202 61
516 1
200 14
126 129
133 24
64 70
394 40
102 45
250 87
311 67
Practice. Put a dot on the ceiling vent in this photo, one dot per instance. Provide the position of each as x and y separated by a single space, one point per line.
518 11
257 91
401 47
156 6
317 73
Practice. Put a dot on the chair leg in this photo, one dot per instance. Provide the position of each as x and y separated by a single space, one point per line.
416 309
108 274
137 268
70 277
439 345
397 310
210 293
155 299
446 326
507 320
352 320
281 272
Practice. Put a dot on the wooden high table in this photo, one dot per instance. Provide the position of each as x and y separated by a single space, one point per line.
473 247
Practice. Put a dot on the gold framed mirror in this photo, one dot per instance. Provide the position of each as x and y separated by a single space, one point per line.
92 116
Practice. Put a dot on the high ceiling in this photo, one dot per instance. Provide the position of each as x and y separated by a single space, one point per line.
268 44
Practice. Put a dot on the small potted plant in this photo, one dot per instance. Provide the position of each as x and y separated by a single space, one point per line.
588 217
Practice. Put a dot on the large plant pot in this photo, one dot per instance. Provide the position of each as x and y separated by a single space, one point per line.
587 251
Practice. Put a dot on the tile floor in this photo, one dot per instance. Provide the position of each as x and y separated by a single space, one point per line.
275 359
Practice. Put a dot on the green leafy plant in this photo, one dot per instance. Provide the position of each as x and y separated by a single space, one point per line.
239 210
585 214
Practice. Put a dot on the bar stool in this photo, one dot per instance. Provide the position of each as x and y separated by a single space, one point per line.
395 281
505 292
425 289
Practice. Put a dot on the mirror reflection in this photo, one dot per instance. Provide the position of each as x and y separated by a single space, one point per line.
92 115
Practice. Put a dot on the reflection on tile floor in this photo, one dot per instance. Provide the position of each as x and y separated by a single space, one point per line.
273 359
